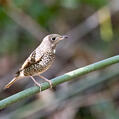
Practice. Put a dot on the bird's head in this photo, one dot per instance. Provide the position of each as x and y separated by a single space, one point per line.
53 39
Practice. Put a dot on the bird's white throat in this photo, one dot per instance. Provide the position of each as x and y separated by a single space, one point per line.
54 51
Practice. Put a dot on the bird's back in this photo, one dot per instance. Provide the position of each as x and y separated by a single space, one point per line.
40 66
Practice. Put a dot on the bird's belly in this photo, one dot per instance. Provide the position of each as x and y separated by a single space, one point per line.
39 67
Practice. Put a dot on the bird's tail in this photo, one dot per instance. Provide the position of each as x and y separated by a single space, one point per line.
11 82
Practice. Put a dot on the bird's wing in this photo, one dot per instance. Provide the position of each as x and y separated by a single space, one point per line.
32 59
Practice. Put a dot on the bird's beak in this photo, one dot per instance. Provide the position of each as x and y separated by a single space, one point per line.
64 37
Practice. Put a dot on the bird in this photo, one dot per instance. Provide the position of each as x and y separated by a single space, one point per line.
39 60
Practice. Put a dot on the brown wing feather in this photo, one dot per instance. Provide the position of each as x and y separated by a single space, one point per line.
30 61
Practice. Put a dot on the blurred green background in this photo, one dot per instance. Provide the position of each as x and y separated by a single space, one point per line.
93 29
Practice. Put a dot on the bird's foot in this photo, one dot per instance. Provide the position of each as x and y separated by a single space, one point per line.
37 84
49 81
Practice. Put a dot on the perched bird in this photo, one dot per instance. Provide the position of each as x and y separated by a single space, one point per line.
39 60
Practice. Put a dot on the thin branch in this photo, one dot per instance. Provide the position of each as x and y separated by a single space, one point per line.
76 92
58 80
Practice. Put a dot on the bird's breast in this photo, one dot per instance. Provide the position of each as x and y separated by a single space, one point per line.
47 59
41 66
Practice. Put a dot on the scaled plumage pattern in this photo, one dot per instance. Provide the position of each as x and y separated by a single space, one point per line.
39 60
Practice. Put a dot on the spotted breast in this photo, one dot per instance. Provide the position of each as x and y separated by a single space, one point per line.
40 66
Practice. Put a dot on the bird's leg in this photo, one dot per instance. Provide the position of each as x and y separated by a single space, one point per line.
38 84
49 81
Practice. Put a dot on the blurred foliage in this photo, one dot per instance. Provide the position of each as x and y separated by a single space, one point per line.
95 3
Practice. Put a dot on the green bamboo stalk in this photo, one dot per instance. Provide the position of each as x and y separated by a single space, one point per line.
58 80
77 89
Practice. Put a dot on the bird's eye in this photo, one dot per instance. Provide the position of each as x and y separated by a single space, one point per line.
53 38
